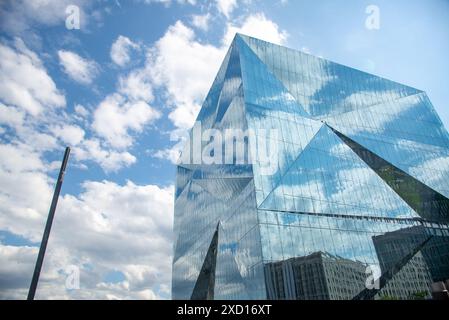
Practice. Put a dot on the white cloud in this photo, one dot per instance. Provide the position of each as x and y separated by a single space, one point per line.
180 136
70 134
257 26
20 16
15 270
79 69
185 77
137 85
40 136
25 82
120 50
226 6
131 227
11 116
184 115
26 190
81 110
24 202
115 118
109 160
19 158
27 129
170 154
201 21
169 2
35 122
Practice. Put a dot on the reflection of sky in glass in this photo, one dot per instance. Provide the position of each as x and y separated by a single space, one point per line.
322 197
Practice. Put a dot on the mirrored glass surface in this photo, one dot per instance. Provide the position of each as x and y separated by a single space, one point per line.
355 204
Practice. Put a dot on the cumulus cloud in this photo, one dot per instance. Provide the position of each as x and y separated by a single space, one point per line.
80 69
45 133
131 227
25 81
26 190
70 134
226 6
185 77
137 85
115 118
258 26
28 107
15 270
24 200
21 16
11 116
171 154
110 160
120 50
107 228
81 110
39 136
201 21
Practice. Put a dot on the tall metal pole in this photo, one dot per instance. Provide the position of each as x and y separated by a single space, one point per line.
51 214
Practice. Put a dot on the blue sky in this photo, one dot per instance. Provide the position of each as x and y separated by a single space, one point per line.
123 88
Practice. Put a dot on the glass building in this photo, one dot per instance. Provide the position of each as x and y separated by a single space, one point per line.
355 205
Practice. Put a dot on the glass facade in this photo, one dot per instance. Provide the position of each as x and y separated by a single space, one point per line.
360 183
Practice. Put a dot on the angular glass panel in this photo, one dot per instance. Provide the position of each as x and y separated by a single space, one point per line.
261 87
319 84
328 173
205 284
427 202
